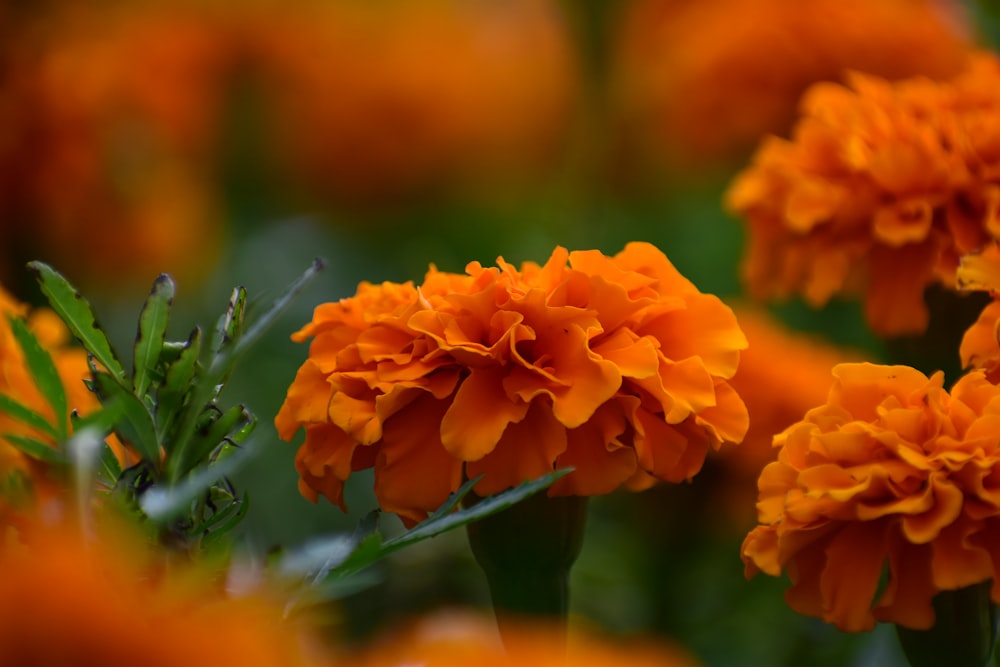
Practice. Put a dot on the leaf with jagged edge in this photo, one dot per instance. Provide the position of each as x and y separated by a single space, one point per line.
151 333
163 502
44 373
78 316
206 388
372 548
171 393
206 439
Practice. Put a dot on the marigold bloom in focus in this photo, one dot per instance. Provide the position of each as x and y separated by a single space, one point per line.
66 600
883 187
17 383
460 639
617 366
681 68
892 469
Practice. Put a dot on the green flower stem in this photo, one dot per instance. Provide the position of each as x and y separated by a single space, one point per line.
526 552
964 631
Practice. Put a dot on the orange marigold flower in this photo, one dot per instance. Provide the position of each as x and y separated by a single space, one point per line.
66 600
457 639
883 187
16 382
892 469
617 366
681 68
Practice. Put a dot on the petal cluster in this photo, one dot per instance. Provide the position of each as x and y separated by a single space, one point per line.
895 473
883 187
616 366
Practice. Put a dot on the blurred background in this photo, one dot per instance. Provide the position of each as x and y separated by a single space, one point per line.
228 143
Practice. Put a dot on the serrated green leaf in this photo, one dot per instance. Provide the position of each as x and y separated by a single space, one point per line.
135 427
230 326
163 502
44 373
188 455
150 335
176 384
441 522
224 521
36 449
206 388
26 415
78 316
372 548
262 322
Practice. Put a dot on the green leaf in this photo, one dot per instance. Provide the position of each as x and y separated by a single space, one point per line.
441 522
44 373
76 312
372 548
205 389
135 426
230 326
163 502
224 521
36 449
177 382
108 467
194 452
26 415
261 323
152 330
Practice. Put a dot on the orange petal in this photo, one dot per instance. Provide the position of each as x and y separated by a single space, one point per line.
854 562
479 414
527 450
907 597
414 473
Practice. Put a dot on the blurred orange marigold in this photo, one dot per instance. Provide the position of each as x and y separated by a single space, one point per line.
617 366
892 469
66 600
703 81
458 639
883 187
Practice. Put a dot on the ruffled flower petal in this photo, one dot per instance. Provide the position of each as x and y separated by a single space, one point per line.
617 366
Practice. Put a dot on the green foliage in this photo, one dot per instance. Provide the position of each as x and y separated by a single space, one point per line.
167 412
327 565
